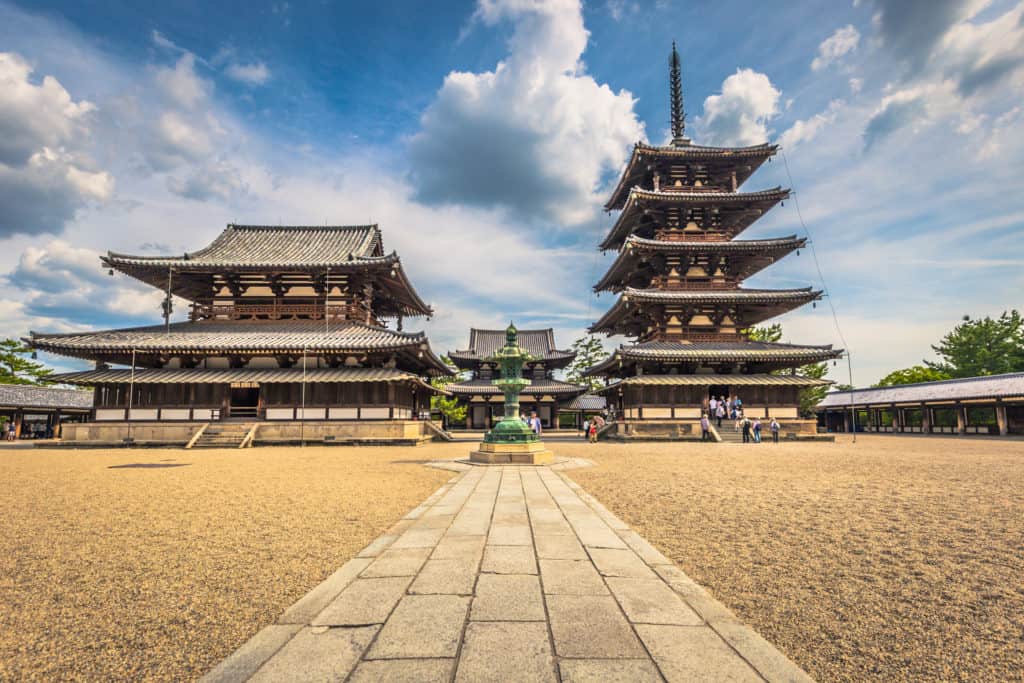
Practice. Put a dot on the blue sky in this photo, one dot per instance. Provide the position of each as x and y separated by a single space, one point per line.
484 137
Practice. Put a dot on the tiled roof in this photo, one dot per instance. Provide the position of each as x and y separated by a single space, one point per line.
763 200
27 396
587 402
746 351
761 304
266 249
538 386
641 243
222 336
268 246
747 161
751 255
730 296
484 343
992 386
227 376
725 380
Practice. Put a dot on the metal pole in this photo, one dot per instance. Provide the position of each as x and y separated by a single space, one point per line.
167 304
302 414
131 395
853 413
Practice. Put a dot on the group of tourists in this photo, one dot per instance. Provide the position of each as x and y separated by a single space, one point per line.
592 426
721 407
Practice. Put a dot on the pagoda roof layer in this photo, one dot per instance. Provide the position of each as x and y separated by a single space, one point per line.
746 159
760 304
485 343
218 337
269 249
755 254
712 380
228 376
486 387
697 352
756 204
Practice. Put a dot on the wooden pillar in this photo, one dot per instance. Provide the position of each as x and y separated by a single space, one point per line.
961 419
897 419
1004 426
18 415
926 419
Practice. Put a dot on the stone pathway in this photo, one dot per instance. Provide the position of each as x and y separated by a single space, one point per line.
508 574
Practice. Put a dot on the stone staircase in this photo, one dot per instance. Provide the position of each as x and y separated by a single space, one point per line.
223 435
728 433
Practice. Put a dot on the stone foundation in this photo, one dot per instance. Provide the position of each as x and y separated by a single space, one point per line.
689 430
156 434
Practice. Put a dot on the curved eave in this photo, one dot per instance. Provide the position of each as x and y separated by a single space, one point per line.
781 301
228 376
468 360
758 154
786 355
763 200
712 380
550 387
763 253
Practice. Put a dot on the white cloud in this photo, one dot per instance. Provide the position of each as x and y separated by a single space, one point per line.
45 176
833 48
35 116
256 73
550 130
740 114
808 129
216 179
856 84
182 84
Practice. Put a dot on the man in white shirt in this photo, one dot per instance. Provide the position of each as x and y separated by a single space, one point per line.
535 423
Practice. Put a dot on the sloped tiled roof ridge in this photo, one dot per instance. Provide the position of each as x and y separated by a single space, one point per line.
246 245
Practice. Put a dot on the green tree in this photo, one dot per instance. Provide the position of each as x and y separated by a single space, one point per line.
448 406
17 366
912 375
982 347
765 333
589 352
809 397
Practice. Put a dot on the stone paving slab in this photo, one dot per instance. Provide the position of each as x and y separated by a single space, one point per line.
508 573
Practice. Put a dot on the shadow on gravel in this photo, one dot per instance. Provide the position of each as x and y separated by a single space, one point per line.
147 465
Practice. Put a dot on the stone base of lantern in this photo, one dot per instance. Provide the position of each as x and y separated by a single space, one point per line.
532 453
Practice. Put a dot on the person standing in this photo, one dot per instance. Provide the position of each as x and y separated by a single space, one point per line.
586 429
705 427
535 424
593 431
757 430
745 426
773 427
713 406
720 413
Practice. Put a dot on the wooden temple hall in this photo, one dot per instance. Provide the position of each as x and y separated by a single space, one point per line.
678 279
544 395
286 325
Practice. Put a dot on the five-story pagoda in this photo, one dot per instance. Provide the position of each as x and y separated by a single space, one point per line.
678 275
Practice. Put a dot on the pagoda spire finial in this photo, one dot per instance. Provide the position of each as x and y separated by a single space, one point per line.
675 81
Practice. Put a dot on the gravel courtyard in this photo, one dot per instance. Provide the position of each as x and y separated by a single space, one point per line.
895 559
156 564
898 558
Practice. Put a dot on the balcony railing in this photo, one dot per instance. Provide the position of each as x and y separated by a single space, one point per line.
278 311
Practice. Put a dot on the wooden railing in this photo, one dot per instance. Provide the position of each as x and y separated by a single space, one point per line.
278 311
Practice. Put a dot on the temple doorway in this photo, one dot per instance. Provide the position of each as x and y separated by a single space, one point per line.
718 391
245 401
